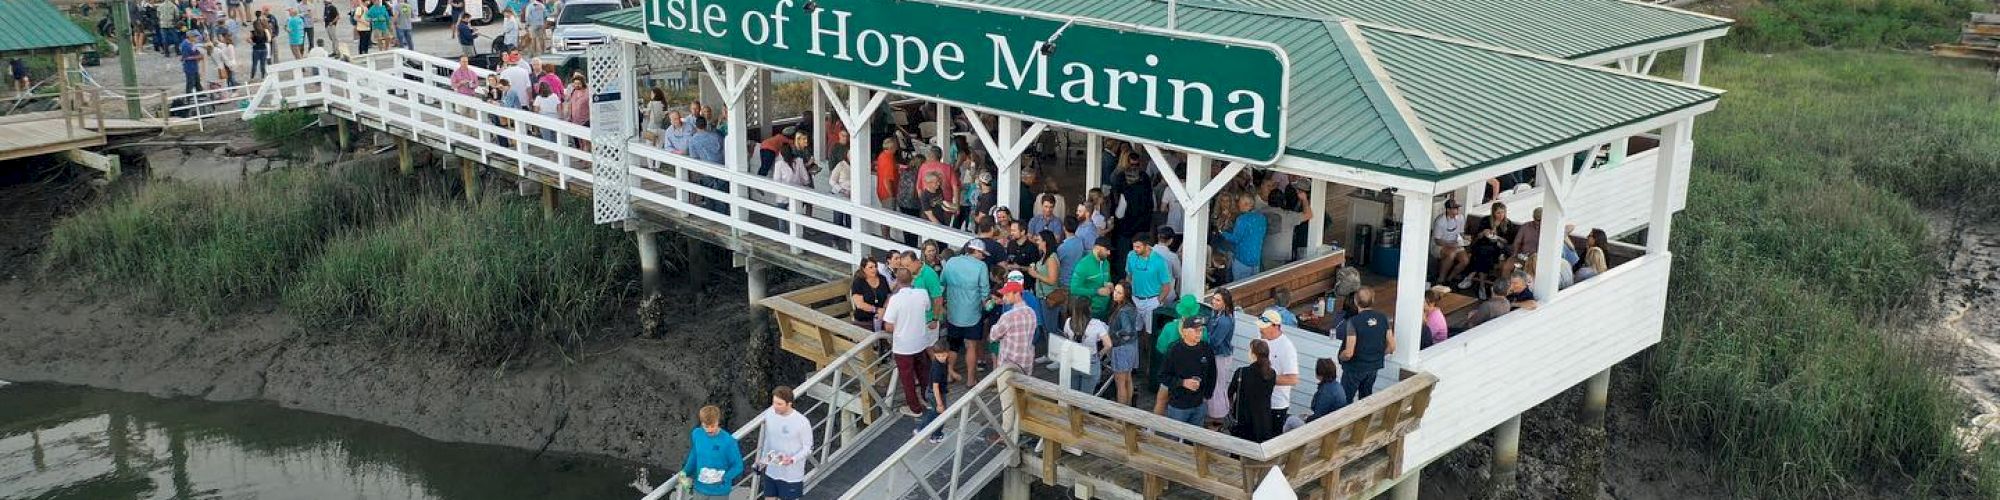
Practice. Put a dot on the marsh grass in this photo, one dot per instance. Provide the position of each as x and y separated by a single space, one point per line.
1790 351
1894 24
484 281
208 249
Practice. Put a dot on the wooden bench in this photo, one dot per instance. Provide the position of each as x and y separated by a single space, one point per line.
1307 279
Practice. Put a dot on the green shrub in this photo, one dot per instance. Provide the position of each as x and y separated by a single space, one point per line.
1792 24
484 281
1799 245
209 248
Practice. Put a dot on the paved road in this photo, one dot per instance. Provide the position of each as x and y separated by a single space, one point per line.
157 70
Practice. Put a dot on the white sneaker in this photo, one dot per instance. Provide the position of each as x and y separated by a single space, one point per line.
1044 360
1465 283
909 413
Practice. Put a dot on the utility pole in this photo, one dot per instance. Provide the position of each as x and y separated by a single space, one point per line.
122 18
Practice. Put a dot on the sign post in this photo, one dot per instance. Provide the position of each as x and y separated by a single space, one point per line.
1222 97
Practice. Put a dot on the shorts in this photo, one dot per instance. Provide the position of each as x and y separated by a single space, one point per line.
1125 358
972 333
786 490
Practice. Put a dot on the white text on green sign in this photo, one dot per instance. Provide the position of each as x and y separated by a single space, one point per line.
1221 97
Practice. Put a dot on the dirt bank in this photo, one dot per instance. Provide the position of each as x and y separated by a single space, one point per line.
1969 315
625 398
631 400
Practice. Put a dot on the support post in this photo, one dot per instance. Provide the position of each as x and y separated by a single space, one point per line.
649 261
1009 193
818 126
127 70
941 127
1548 251
468 176
1194 221
734 152
1660 226
1014 483
1691 63
1093 162
1506 458
1409 488
1414 260
343 134
404 157
549 201
1596 395
1316 226
759 278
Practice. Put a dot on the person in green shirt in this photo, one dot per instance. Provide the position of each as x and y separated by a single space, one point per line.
1091 279
1170 334
927 279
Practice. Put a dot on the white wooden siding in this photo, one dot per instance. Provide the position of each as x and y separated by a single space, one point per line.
1522 359
1617 200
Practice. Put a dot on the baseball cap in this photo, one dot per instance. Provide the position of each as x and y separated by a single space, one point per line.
1011 287
1196 321
975 244
1270 318
1016 277
1450 203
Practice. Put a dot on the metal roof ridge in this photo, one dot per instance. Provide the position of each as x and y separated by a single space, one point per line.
1534 56
1678 10
1408 129
1241 9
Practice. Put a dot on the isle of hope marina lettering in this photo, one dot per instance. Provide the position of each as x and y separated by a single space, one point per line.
1216 96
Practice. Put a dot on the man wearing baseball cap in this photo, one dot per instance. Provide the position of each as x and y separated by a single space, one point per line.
1448 234
1284 360
1187 375
965 287
1015 330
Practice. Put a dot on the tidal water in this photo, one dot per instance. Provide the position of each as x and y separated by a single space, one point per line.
65 442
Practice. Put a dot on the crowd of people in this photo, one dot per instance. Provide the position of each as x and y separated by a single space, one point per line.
205 34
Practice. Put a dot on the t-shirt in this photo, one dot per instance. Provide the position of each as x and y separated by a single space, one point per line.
927 279
905 311
1093 334
872 295
1370 331
1448 229
295 28
1285 361
465 34
517 81
548 105
790 436
1147 273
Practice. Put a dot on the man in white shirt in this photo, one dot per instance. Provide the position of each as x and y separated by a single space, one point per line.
1448 233
517 77
903 316
784 446
1284 360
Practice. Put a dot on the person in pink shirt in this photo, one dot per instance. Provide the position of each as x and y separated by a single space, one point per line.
549 77
934 165
1436 330
463 80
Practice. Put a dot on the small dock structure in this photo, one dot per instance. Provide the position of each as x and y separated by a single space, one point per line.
1389 119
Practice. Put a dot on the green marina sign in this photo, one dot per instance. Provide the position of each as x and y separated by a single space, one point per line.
1222 97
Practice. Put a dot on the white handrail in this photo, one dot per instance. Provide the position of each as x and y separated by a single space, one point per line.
833 368
892 219
959 410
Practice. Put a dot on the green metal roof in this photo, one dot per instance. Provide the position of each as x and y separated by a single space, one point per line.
1568 29
30 25
1399 101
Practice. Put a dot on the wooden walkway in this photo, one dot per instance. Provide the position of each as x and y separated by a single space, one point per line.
44 135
